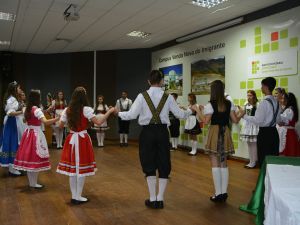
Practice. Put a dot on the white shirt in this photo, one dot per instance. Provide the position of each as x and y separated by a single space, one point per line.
125 103
88 113
264 113
140 108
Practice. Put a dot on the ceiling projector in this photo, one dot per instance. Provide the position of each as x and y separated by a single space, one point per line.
71 13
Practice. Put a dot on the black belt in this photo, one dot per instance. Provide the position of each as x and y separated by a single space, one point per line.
156 125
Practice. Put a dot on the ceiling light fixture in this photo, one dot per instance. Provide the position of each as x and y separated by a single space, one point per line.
4 42
207 3
139 34
7 16
210 30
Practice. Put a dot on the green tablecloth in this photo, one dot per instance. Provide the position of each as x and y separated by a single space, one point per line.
256 204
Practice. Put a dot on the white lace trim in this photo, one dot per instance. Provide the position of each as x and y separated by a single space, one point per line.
32 169
74 174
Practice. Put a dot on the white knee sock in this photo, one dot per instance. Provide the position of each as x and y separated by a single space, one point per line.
12 170
252 149
175 143
216 172
57 136
151 181
102 136
172 142
32 178
121 138
61 136
194 147
98 138
80 184
225 177
162 184
73 186
125 138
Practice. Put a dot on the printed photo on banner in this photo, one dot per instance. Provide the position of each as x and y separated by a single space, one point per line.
173 78
204 72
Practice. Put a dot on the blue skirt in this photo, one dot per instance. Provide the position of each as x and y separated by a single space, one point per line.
9 142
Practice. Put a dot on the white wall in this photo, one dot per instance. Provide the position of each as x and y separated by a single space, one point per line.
236 59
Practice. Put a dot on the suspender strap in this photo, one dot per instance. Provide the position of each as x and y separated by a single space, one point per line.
121 106
275 113
155 111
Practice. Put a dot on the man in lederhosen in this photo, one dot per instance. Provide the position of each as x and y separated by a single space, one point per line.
153 107
123 105
266 116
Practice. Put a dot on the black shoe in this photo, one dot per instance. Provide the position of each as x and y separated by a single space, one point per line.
125 144
224 197
14 175
101 146
149 204
121 144
78 202
160 204
217 198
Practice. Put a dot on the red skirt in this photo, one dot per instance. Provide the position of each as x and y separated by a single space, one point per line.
87 163
292 145
27 157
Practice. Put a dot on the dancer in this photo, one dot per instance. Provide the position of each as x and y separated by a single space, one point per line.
59 105
100 110
288 137
33 155
21 125
219 143
153 107
123 105
9 145
174 127
192 125
249 130
77 159
266 116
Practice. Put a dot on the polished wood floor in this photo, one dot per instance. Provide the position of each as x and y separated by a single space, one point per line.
118 190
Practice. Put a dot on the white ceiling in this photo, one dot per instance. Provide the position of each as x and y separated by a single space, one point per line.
103 24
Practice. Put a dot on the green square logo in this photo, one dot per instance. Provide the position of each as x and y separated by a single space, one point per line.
250 84
243 85
257 31
283 34
243 44
266 47
274 46
257 49
258 40
294 42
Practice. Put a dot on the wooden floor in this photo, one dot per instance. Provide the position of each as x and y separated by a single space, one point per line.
118 190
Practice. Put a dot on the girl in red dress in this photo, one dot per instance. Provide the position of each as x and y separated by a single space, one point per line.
77 159
33 155
289 140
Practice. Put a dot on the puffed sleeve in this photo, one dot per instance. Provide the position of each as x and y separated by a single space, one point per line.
88 112
12 105
287 116
208 109
63 116
232 107
38 113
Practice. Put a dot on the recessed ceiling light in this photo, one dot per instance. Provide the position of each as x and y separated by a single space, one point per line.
4 42
207 3
7 16
140 34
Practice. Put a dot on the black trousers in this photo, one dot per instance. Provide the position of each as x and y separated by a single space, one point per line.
154 149
267 143
123 126
174 128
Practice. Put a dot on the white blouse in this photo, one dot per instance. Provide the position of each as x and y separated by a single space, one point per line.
287 116
88 113
12 105
209 110
38 113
